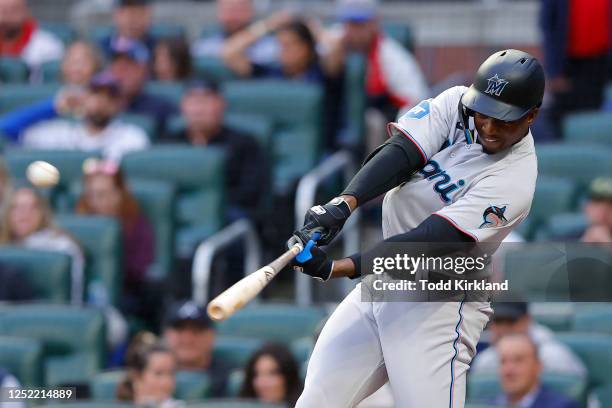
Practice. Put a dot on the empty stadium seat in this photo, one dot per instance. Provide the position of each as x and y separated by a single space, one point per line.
100 239
595 350
51 72
595 320
103 386
401 33
73 338
486 387
14 95
557 316
235 351
22 357
172 91
563 227
272 322
553 195
49 273
160 31
212 69
578 163
13 70
297 124
588 127
197 174
354 99
62 31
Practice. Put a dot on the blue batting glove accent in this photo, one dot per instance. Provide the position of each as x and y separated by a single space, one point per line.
305 255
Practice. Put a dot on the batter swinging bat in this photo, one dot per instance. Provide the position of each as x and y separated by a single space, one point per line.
243 291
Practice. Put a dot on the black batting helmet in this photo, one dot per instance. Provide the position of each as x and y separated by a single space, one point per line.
507 86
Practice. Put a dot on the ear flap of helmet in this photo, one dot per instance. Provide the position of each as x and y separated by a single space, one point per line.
464 117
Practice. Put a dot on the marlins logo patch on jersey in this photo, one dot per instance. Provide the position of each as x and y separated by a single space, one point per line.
493 216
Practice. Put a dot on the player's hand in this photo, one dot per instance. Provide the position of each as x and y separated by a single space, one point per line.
319 266
328 219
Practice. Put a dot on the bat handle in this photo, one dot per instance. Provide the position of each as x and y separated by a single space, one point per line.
305 254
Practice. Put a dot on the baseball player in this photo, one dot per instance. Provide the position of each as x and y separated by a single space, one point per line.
460 167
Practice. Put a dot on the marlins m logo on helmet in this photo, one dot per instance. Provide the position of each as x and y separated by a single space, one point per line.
495 85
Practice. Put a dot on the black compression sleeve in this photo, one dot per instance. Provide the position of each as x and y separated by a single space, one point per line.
387 167
433 229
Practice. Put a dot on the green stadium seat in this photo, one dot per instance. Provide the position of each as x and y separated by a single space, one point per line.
271 322
68 162
90 404
568 161
100 239
13 70
595 350
355 102
73 338
553 195
602 396
160 31
232 403
63 31
156 199
302 348
595 320
14 95
212 69
401 33
189 385
197 174
172 91
51 72
298 133
486 387
49 273
234 383
98 33
235 351
145 122
556 316
22 357
588 127
568 226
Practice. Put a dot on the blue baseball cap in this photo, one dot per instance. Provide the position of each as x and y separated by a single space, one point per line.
105 80
356 10
132 49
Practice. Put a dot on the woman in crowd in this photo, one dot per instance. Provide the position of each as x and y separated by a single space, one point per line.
172 60
28 221
5 183
150 380
81 61
272 376
105 192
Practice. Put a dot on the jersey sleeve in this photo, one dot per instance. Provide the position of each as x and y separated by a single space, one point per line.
429 123
491 208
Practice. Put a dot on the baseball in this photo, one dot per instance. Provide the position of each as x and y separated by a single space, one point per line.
42 174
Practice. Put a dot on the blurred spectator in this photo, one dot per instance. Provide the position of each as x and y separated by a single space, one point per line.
99 128
190 334
9 381
28 221
272 376
519 371
576 43
512 318
171 60
234 16
129 65
131 20
598 210
150 380
21 36
80 63
5 183
202 108
105 193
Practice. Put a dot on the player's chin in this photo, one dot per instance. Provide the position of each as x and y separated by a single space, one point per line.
492 147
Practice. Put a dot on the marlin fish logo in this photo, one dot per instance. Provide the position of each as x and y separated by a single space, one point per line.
496 85
493 216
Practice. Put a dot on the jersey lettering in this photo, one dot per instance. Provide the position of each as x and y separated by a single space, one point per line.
443 185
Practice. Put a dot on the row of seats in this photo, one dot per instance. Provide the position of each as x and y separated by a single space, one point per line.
217 403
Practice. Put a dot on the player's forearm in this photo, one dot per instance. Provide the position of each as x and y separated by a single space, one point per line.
343 268
387 167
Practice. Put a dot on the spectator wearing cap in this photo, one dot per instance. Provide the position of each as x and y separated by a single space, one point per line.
22 37
131 20
190 335
202 108
598 211
234 16
394 81
520 369
513 318
129 64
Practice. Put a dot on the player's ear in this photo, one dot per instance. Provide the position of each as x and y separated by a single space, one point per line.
532 115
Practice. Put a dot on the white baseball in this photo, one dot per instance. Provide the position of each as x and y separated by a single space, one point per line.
42 174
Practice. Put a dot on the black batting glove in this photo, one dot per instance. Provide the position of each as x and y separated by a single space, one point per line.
319 266
328 219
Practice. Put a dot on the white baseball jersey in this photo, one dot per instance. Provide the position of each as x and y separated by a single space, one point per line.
483 195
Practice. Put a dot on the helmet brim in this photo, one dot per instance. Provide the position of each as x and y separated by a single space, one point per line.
479 102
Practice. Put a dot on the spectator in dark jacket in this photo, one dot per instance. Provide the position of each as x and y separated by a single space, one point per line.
202 108
131 20
576 35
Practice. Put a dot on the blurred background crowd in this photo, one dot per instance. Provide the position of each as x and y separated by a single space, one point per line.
192 135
